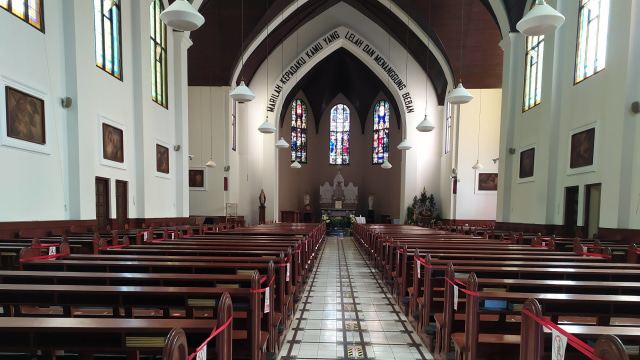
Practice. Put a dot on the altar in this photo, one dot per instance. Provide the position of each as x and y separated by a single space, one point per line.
337 199
336 213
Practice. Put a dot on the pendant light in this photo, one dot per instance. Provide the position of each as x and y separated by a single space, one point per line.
266 127
282 143
210 163
386 165
542 19
460 95
404 145
426 125
242 93
182 16
296 165
477 165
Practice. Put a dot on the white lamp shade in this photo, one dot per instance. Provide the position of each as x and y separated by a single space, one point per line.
182 16
459 95
266 127
282 144
477 165
425 125
404 145
296 165
386 165
210 163
541 20
242 93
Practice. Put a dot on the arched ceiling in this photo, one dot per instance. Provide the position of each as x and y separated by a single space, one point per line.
217 44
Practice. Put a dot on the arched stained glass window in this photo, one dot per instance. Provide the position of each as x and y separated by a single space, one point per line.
158 54
299 131
30 11
339 135
381 132
106 16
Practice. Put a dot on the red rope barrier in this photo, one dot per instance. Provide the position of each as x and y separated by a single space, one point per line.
113 247
265 288
574 341
635 251
144 232
45 246
594 255
472 293
213 334
44 257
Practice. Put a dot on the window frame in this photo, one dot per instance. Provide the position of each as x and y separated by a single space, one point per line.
119 27
40 12
539 65
305 116
599 36
155 21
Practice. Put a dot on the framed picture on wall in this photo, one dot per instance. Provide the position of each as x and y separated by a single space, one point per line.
25 116
162 159
112 143
583 148
486 182
197 178
527 163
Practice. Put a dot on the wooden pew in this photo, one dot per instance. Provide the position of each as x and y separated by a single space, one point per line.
131 337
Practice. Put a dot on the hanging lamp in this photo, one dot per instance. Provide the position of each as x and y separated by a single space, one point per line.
182 16
266 127
282 143
426 125
242 93
478 165
460 95
296 165
542 19
386 165
210 163
404 145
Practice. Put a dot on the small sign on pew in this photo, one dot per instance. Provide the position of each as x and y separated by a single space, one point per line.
202 354
455 297
288 267
52 251
559 345
267 306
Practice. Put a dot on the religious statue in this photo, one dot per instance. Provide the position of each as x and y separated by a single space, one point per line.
262 198
306 198
371 202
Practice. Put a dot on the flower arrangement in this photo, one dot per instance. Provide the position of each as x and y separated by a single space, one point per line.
326 219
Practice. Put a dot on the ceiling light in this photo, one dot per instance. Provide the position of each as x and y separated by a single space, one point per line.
296 165
459 95
242 93
210 163
477 165
182 16
266 127
425 125
386 165
404 145
282 144
541 20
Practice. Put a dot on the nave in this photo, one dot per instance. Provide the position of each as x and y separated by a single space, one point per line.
347 312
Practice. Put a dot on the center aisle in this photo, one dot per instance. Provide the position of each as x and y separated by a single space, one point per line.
346 313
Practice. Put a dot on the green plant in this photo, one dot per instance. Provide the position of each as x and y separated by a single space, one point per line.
411 216
425 205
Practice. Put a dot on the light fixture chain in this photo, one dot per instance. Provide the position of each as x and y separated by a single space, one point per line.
461 41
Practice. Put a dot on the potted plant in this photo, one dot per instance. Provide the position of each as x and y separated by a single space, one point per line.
424 209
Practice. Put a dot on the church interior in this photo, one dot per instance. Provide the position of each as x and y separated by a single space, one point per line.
314 117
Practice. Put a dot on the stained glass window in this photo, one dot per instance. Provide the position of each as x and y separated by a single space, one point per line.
339 135
381 132
158 54
106 16
447 135
533 71
30 11
299 131
593 24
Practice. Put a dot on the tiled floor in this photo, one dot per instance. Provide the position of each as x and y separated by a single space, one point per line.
346 313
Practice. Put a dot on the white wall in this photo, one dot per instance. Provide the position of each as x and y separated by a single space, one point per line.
59 185
603 100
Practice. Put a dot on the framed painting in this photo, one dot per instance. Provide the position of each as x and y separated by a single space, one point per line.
486 182
527 163
583 149
25 116
197 178
162 159
112 143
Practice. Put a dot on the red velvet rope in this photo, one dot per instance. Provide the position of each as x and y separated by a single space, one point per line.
635 251
574 341
472 293
144 232
113 247
594 255
263 289
285 262
213 334
540 246
45 246
44 257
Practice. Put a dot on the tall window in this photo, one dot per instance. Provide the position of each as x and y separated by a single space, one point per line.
106 16
533 71
158 54
593 24
339 135
299 131
28 10
447 135
381 132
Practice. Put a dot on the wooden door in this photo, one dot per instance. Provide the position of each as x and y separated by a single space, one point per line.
571 210
121 204
592 209
102 203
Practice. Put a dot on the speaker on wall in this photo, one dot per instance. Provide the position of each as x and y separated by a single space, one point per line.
67 102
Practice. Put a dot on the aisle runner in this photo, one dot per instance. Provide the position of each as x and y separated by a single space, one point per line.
347 314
